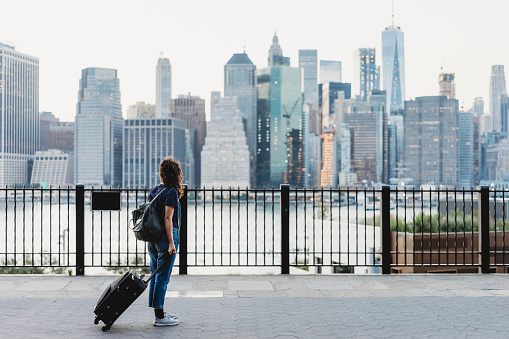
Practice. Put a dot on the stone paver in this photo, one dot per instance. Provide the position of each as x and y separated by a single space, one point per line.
339 306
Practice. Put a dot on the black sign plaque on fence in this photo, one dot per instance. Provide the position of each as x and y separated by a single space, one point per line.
105 200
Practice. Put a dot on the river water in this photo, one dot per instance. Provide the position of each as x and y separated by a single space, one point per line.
230 235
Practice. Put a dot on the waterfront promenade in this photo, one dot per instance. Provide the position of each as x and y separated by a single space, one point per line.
267 306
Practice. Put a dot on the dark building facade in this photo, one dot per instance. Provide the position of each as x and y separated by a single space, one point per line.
431 140
191 109
369 144
45 121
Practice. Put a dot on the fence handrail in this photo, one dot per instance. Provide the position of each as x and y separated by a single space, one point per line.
318 201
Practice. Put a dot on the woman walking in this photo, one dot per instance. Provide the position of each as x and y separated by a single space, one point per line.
167 204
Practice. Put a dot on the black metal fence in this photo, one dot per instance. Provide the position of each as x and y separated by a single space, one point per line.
284 230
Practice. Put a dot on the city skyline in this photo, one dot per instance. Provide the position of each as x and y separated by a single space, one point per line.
335 33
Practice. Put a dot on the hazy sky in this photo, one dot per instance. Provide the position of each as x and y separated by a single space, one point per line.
199 37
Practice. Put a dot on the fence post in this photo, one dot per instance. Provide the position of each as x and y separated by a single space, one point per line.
285 229
80 229
484 229
183 233
385 211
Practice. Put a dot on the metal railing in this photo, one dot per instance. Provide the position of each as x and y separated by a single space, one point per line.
319 230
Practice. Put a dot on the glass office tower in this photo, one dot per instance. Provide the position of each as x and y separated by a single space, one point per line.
98 129
393 52
280 157
466 150
19 114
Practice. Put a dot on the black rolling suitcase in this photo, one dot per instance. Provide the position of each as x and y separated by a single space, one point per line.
120 295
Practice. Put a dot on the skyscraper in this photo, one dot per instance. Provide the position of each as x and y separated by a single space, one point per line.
478 107
163 88
504 108
368 125
330 71
497 88
146 142
280 157
62 136
366 72
397 143
98 129
329 171
240 82
447 85
466 150
346 176
308 62
276 54
19 113
45 121
329 94
191 109
393 52
225 155
431 140
369 146
477 151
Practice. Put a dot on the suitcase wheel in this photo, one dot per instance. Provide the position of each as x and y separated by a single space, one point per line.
106 328
96 321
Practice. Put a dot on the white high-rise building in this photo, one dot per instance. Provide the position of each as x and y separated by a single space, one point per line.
19 114
497 88
163 88
52 167
240 82
393 52
225 155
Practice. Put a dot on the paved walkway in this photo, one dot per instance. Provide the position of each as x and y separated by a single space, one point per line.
275 306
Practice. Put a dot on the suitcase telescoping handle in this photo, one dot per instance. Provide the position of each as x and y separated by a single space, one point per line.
168 257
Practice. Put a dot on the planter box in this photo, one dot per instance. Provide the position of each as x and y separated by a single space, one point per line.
447 253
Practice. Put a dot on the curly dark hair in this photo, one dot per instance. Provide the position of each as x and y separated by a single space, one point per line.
171 174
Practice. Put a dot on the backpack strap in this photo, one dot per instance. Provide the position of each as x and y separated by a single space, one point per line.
158 194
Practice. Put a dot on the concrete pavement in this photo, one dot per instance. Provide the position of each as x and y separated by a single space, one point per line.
269 306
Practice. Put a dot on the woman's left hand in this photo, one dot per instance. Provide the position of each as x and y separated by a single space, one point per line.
172 250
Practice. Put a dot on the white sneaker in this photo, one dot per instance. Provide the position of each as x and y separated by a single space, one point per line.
166 321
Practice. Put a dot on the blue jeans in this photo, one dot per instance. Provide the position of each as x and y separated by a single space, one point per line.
158 251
